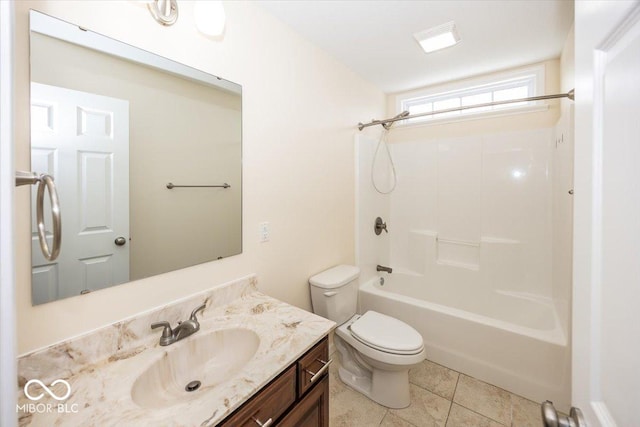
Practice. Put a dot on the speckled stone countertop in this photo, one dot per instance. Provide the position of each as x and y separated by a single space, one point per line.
102 366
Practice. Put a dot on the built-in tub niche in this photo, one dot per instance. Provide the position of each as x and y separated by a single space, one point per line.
146 156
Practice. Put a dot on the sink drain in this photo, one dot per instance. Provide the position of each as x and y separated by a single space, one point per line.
193 385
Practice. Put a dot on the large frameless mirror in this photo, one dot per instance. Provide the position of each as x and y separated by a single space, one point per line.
146 155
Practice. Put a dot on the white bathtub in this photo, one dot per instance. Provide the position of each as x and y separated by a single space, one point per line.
514 341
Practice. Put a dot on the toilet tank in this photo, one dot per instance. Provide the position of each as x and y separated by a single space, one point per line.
334 293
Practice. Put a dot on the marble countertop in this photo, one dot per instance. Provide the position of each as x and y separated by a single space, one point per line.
101 391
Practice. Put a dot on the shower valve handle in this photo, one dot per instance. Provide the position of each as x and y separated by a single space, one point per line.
379 226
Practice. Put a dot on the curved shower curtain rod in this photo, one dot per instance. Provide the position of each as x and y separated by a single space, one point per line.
569 95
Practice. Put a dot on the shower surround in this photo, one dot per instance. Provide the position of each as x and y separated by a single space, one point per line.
471 241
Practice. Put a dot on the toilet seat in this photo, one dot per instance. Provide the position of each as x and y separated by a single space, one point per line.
386 334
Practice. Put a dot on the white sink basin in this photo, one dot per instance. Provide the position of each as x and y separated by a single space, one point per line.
208 357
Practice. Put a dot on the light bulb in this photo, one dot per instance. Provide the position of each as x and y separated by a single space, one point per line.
210 17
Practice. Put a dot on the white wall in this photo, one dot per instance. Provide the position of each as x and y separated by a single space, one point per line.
300 108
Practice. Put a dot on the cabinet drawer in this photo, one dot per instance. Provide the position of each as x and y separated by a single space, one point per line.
313 366
270 402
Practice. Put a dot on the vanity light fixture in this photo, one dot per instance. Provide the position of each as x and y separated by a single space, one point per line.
210 17
439 37
208 14
165 12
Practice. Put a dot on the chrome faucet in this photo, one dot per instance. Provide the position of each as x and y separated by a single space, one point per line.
182 330
383 268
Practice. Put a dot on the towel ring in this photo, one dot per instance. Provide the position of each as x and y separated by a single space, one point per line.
44 180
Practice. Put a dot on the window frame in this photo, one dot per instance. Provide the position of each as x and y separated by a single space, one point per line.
534 76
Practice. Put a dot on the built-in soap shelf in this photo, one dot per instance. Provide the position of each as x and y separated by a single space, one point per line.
458 253
499 240
428 247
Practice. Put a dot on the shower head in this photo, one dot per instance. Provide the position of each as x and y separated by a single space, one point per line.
387 126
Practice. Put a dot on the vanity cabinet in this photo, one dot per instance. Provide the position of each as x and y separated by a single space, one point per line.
298 397
312 410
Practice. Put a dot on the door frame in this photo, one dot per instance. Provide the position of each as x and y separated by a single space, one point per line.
597 25
8 361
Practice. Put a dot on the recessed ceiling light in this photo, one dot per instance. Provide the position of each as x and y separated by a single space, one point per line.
439 37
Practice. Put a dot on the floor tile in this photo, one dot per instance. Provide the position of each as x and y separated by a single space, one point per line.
426 408
335 385
525 413
435 378
391 420
463 417
348 408
476 403
483 398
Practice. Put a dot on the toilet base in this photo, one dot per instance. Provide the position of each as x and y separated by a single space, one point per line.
388 388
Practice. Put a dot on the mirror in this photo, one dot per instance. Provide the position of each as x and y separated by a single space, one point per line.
146 155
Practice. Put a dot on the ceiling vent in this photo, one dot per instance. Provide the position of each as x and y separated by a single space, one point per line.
439 37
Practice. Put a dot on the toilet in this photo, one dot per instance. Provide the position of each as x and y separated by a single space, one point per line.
376 350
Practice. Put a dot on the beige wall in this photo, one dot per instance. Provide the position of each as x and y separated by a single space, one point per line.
180 131
300 107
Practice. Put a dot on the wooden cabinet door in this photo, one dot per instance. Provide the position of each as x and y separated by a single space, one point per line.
312 410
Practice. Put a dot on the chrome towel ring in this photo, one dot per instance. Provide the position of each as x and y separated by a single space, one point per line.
44 180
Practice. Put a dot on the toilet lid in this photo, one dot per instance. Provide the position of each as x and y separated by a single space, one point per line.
386 333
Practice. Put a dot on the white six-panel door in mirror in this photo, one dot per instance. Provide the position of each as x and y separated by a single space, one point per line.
82 139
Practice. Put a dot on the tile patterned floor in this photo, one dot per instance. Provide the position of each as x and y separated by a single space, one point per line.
439 397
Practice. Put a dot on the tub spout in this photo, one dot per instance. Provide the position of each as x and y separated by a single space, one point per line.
383 268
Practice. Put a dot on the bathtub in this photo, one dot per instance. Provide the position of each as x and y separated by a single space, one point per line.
512 340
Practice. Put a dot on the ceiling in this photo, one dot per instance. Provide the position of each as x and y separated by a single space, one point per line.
375 38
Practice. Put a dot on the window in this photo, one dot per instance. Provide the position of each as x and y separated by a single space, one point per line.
514 85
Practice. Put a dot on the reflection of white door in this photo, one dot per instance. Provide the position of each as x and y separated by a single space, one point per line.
82 140
606 298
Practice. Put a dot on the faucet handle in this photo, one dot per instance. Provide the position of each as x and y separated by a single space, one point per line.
379 226
167 332
195 311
